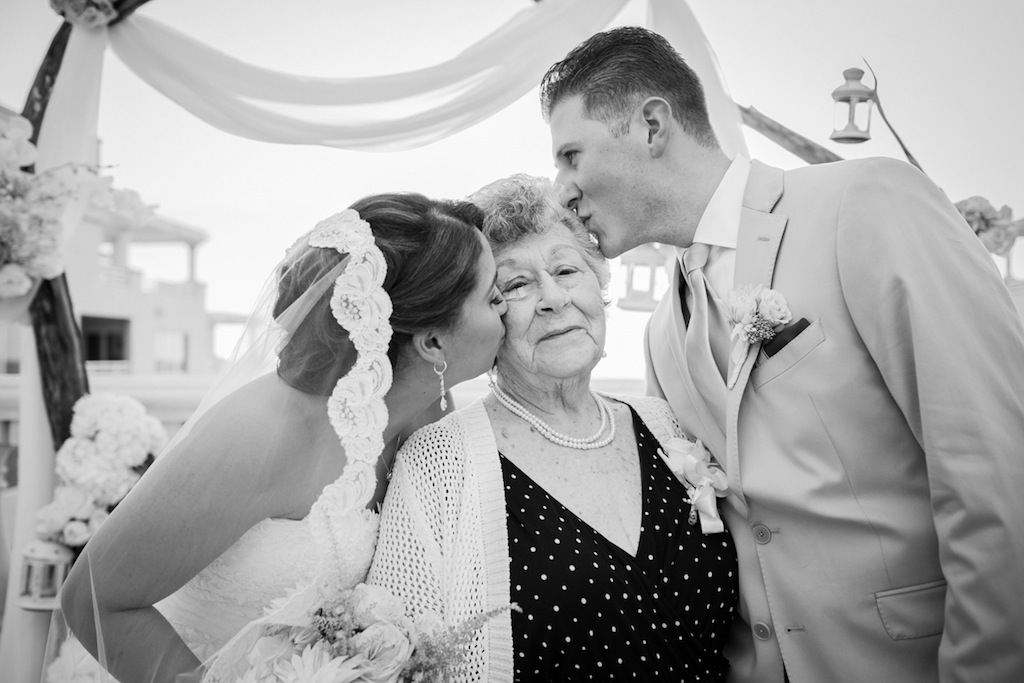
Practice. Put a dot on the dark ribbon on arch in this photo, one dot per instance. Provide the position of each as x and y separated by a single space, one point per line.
58 336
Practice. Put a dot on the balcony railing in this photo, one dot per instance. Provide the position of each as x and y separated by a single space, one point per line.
121 277
107 367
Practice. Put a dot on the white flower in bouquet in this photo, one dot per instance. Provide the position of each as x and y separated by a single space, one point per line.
316 664
387 647
374 604
359 635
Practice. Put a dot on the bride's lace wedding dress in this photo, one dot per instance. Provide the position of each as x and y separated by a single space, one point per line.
263 565
270 570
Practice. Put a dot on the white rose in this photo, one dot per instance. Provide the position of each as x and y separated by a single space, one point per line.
773 308
69 503
372 604
14 281
269 650
50 519
76 533
387 647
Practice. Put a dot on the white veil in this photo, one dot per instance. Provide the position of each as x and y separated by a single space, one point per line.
264 335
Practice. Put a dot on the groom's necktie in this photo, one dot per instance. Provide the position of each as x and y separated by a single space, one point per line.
707 334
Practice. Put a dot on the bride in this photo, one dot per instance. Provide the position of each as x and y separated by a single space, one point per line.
278 475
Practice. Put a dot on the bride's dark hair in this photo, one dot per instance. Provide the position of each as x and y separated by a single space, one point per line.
432 257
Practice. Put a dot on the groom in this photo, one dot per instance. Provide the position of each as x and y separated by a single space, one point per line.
875 444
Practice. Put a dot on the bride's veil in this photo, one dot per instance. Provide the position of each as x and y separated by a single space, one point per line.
266 333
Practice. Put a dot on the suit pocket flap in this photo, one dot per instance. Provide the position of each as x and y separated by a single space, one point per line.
788 355
913 611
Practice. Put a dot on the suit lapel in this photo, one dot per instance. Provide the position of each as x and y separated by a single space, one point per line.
757 249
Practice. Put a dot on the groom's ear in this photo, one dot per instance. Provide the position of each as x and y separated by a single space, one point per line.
657 119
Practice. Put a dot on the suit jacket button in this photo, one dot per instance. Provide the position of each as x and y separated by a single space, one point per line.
762 534
762 631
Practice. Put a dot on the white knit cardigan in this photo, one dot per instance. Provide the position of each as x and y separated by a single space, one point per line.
443 543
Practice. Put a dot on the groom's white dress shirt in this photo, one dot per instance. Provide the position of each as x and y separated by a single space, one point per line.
719 228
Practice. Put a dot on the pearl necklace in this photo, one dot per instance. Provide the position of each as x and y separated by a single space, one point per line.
581 444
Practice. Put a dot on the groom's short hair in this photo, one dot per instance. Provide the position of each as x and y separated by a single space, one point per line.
616 70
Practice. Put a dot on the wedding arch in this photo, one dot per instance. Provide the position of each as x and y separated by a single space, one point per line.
409 109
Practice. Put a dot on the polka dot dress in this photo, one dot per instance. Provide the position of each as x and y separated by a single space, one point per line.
593 612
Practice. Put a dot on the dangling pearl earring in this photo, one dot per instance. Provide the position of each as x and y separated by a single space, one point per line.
440 376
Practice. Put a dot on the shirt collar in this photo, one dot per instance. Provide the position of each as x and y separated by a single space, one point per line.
720 224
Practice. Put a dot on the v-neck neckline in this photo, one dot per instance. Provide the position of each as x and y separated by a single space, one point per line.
645 474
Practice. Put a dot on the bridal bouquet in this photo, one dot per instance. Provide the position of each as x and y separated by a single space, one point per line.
113 441
363 635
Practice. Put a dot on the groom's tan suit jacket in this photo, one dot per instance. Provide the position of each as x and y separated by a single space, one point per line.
876 462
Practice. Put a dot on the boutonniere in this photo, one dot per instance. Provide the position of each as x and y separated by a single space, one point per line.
703 478
755 314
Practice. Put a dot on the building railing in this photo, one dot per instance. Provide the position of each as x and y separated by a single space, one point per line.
121 277
180 290
97 368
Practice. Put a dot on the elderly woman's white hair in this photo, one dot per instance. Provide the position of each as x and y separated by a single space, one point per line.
522 205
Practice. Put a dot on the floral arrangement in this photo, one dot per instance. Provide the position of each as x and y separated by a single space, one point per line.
113 441
756 314
88 13
996 229
363 635
692 464
30 209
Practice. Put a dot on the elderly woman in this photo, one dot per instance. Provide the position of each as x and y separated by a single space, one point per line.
558 499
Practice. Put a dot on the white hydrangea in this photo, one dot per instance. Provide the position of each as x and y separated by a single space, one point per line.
111 438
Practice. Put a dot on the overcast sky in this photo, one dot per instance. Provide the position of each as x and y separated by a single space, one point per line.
949 74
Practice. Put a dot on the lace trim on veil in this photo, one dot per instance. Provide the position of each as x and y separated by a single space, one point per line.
356 407
340 523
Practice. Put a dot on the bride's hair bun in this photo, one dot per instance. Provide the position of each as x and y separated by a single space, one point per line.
432 256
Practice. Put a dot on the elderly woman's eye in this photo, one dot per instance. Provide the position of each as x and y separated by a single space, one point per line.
514 290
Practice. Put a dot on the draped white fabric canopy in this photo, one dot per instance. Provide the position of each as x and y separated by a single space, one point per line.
383 113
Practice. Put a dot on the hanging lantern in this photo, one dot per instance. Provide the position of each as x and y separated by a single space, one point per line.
853 108
44 566
644 267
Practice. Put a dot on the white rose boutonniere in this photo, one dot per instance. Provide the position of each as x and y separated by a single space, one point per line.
703 478
755 314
